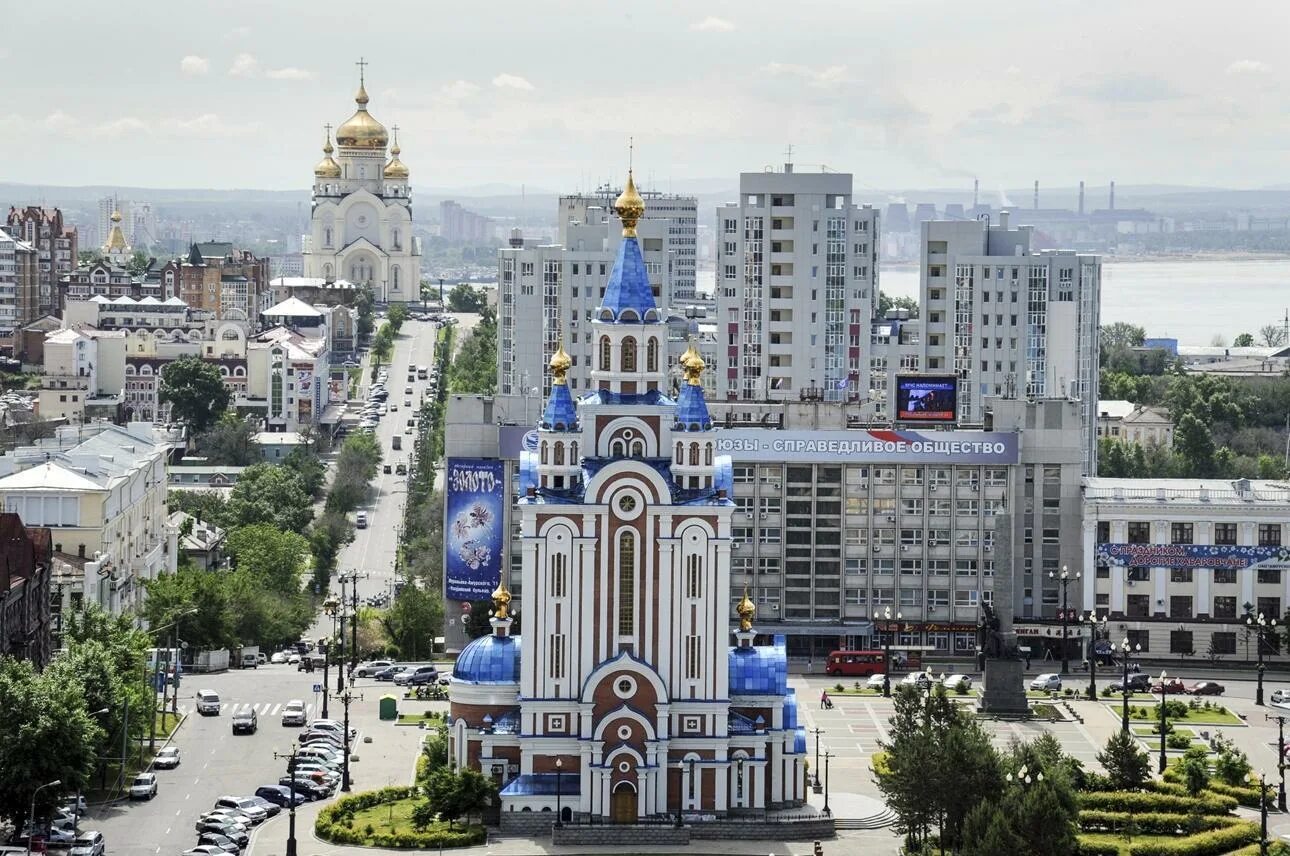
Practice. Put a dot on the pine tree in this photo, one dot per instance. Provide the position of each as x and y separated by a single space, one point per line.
1127 766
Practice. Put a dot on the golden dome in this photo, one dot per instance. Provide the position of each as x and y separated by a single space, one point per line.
693 365
629 207
327 167
361 131
116 217
746 609
116 238
395 168
560 363
501 600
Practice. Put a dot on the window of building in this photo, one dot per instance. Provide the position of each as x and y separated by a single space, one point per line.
965 567
1139 532
1225 576
693 576
1270 575
911 567
1180 575
1180 606
1222 642
1139 575
938 477
1269 534
938 597
1139 640
1268 607
693 657
911 597
854 597
1224 533
557 655
1180 642
1139 605
911 506
651 355
629 354
606 351
1224 607
966 599
1180 533
883 597
911 476
1103 531
626 583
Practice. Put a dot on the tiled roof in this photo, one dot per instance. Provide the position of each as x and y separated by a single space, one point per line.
489 660
758 670
544 785
628 289
691 410
560 413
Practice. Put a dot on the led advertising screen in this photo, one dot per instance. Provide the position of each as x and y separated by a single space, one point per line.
473 527
920 398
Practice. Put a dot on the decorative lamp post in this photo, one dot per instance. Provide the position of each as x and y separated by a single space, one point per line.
817 732
887 629
1281 759
346 697
827 756
1064 580
1024 777
1164 724
31 818
330 607
1095 625
1125 650
1262 627
559 774
291 804
1263 813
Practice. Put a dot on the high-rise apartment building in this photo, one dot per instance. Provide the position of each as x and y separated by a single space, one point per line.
18 284
796 271
458 224
561 284
232 284
56 248
1008 320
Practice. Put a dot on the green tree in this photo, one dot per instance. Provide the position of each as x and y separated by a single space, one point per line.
204 505
464 298
274 557
229 441
413 620
138 263
1195 445
451 794
329 534
886 303
46 733
188 588
474 370
1194 767
1127 766
266 616
1245 340
1034 814
195 392
396 316
363 302
1232 766
267 493
306 464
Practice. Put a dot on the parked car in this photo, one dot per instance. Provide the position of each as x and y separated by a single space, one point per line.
1213 688
308 787
875 682
144 786
1281 696
279 795
388 673
404 678
293 658
328 738
89 843
214 839
1169 685
1047 682
223 827
232 818
204 850
245 721
952 683
270 808
246 805
367 670
922 680
167 758
1137 683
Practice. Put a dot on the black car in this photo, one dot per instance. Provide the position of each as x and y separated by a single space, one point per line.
223 842
245 722
220 828
280 795
308 787
388 674
1138 682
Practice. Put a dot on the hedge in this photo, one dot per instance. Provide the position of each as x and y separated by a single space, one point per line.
1151 823
1213 843
333 824
1248 797
1146 802
1089 849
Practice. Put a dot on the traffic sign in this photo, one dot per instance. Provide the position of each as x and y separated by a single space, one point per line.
317 688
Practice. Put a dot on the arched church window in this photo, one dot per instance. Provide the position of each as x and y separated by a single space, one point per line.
694 454
327 270
680 453
638 449
693 576
573 452
559 454
629 354
544 451
626 583
394 277
327 237
395 240
707 454
651 355
616 449
605 351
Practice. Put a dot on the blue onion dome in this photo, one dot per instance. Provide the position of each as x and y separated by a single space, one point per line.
691 409
628 295
489 660
758 670
560 414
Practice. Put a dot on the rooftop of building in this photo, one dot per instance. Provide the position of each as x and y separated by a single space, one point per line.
1114 408
1243 492
292 307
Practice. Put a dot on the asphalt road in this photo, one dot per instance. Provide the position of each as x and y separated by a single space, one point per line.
214 762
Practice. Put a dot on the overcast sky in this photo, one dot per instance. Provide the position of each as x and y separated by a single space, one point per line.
900 93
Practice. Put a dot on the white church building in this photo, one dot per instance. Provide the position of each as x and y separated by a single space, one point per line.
361 222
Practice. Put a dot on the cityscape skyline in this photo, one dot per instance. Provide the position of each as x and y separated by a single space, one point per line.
1114 99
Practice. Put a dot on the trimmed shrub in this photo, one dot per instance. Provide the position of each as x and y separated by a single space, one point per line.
1152 823
1213 843
1144 802
1088 849
334 824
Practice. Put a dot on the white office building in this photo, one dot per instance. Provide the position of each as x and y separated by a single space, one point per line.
796 267
1008 320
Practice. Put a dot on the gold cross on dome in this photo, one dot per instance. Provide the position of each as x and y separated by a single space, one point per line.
362 66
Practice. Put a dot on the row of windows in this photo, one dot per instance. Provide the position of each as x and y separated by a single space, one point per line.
1221 576
1139 532
1183 606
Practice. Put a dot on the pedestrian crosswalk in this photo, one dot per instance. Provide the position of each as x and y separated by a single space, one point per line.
266 709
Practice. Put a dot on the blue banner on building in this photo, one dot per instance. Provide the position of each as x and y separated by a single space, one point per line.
473 527
1227 556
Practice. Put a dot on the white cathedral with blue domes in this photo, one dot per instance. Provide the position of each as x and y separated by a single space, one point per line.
626 700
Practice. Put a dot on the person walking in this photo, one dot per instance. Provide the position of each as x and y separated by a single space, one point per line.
824 699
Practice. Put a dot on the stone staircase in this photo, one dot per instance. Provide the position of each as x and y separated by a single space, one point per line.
882 819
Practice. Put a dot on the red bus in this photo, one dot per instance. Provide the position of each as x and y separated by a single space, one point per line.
854 663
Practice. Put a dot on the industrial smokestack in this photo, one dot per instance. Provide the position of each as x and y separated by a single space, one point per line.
976 191
1081 199
1113 196
1036 205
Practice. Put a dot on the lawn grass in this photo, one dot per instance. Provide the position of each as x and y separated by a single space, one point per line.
1145 731
396 818
1193 716
432 718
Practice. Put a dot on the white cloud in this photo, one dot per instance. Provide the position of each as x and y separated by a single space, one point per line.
122 127
244 65
713 24
511 81
823 78
60 121
290 73
1248 66
458 90
205 125
194 66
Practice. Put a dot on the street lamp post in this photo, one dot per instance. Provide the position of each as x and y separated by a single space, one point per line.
886 617
827 756
817 732
1164 724
345 698
353 618
291 804
1064 580
1261 626
1281 759
1094 623
1125 649
1263 814
559 776
31 818
330 606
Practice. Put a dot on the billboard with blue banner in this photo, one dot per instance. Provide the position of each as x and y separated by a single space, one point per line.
1226 556
474 520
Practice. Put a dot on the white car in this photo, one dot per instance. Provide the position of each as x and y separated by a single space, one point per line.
366 670
279 657
144 786
1281 696
952 683
89 843
1047 682
293 658
917 679
294 713
167 759
875 682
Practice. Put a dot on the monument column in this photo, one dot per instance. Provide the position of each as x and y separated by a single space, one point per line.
1004 690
